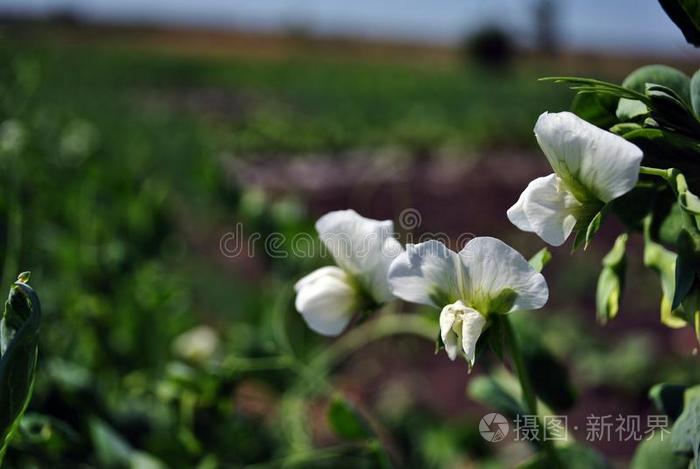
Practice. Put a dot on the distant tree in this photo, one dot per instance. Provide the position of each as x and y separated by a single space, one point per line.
491 47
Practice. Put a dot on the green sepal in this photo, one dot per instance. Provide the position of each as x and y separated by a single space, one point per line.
611 281
540 259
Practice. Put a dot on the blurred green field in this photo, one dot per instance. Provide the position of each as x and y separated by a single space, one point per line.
295 104
115 194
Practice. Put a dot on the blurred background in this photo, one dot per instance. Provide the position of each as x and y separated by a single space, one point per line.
138 139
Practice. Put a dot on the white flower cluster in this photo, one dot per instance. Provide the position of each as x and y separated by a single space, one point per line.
487 277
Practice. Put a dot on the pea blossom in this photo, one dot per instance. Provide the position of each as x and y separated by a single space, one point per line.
487 277
591 168
363 249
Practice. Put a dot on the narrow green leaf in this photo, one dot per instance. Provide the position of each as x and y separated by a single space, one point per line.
19 337
591 85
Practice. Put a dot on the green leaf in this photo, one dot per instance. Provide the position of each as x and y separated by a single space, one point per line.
591 85
685 269
695 92
628 109
611 281
549 375
113 451
596 108
345 421
668 398
19 337
656 453
665 149
672 111
663 262
685 434
574 456
486 390
540 260
686 15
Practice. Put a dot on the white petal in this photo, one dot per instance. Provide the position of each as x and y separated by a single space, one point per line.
330 270
492 266
447 319
472 325
327 303
605 164
546 208
425 272
362 246
516 214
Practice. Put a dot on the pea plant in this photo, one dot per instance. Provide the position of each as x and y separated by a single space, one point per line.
629 151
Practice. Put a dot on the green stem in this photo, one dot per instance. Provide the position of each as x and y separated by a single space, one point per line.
384 326
529 396
371 331
312 378
662 173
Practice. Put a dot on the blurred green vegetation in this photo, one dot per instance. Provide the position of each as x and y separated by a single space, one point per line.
156 351
293 105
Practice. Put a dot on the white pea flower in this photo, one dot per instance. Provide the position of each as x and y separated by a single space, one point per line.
197 345
363 249
486 277
591 168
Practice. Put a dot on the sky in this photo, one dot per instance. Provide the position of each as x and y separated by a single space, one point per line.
616 25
